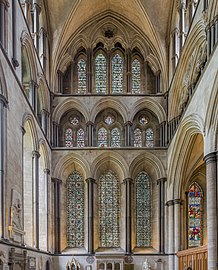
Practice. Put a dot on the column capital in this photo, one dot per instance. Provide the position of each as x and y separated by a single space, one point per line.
128 180
3 100
170 203
92 180
35 153
90 123
163 180
47 171
128 123
210 158
37 7
177 201
56 180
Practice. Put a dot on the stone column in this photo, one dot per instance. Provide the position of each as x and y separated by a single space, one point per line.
14 34
175 48
128 125
208 41
36 10
161 183
212 37
158 82
216 30
55 134
171 233
90 126
182 24
162 134
211 181
33 95
177 230
2 22
128 188
89 69
47 177
36 157
60 81
57 239
128 72
44 115
3 105
90 184
43 53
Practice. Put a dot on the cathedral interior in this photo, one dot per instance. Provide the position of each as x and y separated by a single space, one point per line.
109 135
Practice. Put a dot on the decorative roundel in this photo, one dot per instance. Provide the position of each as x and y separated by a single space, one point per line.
74 120
143 120
128 259
90 259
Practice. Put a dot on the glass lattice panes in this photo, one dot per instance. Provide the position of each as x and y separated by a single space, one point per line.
81 79
69 137
115 137
100 74
75 210
109 210
117 74
143 210
102 137
137 137
136 76
149 137
195 196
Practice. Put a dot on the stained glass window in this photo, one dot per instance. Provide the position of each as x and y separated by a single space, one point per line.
100 74
149 138
117 74
115 137
102 137
74 120
75 210
109 210
69 138
143 120
136 76
137 137
109 119
80 138
195 215
81 67
143 210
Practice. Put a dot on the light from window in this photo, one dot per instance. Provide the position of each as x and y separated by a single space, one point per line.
109 120
115 137
136 76
137 137
74 120
81 76
149 138
143 210
75 210
117 74
143 120
69 138
195 215
80 138
102 137
109 210
100 74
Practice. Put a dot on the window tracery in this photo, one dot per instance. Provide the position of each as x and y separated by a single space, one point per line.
109 209
143 210
75 210
81 70
136 77
117 74
100 74
149 138
195 197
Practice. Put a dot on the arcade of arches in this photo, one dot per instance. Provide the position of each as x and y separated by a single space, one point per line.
108 134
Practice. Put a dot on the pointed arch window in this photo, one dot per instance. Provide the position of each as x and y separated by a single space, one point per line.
81 69
100 74
109 210
80 138
136 76
102 137
115 137
195 219
69 137
137 137
149 137
143 210
117 74
75 210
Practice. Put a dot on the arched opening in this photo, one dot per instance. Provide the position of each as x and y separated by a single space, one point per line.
26 75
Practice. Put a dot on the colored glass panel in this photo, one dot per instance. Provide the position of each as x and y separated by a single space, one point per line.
80 138
69 138
143 120
102 137
143 210
136 76
109 120
75 210
100 74
149 138
117 74
137 137
81 67
195 216
74 120
109 210
115 137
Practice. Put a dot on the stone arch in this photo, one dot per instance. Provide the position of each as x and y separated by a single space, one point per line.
29 118
188 128
67 105
112 103
45 96
147 103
